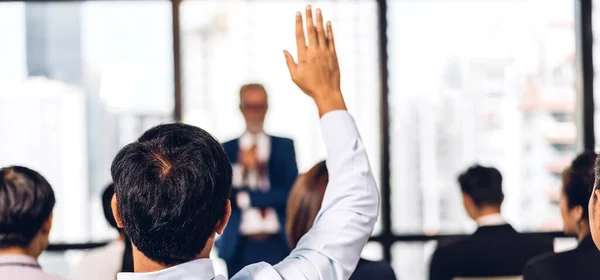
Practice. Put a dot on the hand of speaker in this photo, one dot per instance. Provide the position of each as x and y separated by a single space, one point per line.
317 72
248 158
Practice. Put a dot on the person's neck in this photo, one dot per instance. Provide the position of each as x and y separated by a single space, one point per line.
487 211
584 231
18 251
142 264
254 131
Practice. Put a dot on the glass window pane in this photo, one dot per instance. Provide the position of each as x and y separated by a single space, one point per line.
228 43
79 80
488 82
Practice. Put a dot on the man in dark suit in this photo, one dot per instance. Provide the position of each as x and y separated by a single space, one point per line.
264 170
496 248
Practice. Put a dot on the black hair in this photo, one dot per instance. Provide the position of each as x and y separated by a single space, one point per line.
26 202
172 187
483 185
578 181
107 196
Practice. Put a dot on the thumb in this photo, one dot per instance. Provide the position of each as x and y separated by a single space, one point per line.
290 63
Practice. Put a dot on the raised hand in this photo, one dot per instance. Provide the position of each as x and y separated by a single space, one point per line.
317 72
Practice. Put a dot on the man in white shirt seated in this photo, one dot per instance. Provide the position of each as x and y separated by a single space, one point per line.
172 187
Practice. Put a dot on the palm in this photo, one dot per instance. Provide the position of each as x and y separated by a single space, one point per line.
317 69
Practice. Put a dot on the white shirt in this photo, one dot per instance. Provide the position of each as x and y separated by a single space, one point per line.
332 247
101 263
253 220
22 267
491 220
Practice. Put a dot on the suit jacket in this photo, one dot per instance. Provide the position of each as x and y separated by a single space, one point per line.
579 264
490 251
368 270
283 171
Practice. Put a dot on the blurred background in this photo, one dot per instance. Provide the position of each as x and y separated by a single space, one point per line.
434 85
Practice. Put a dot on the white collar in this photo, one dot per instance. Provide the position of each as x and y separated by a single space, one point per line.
491 220
201 269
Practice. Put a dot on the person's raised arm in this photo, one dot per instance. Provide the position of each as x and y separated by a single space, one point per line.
317 72
332 247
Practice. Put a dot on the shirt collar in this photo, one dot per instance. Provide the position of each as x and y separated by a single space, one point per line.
196 269
14 258
491 220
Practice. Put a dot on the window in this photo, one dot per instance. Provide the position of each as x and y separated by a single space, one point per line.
488 82
500 92
77 82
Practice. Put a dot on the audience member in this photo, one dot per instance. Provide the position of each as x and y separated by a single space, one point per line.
264 169
172 187
105 262
304 204
594 206
577 185
26 203
496 248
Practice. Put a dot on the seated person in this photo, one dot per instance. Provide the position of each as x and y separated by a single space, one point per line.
26 204
172 187
577 185
303 205
496 248
105 262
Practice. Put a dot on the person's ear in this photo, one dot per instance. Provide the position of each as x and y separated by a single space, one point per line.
225 219
470 206
467 200
502 200
47 225
593 204
115 209
577 212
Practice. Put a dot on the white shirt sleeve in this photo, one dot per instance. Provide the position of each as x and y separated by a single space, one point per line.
332 247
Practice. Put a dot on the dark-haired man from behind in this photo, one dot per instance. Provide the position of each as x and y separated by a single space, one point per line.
496 248
172 187
26 204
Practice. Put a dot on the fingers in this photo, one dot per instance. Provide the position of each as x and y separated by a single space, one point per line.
300 40
330 40
290 63
321 30
310 28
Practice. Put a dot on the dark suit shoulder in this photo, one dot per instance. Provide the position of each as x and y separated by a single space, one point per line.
231 142
571 264
542 260
282 139
454 244
373 270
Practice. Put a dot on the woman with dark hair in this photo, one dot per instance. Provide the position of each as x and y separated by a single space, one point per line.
577 185
26 204
105 262
303 206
